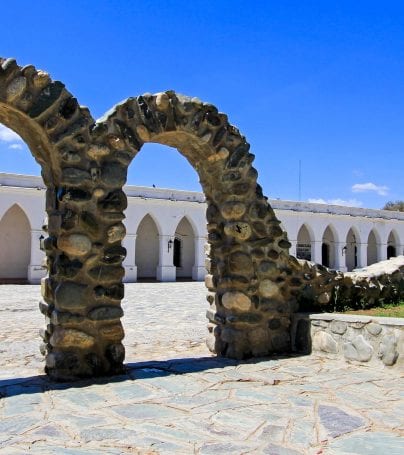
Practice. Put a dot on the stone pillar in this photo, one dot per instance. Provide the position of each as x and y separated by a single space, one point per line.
316 251
292 249
36 271
199 270
340 256
166 271
129 242
362 254
381 252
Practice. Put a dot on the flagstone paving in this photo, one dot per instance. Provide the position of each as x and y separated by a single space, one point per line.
176 398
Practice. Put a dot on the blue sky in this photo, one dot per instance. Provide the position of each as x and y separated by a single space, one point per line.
316 82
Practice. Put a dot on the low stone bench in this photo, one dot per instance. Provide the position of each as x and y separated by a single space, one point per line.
358 339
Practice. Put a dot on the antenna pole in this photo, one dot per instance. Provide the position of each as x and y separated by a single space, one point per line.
300 180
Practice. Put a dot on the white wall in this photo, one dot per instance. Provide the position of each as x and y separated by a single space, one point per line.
168 207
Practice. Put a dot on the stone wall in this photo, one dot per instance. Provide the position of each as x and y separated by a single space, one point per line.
363 339
324 289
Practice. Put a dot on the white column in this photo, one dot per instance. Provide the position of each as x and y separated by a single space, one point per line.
36 270
381 252
292 249
316 251
129 242
340 256
166 271
362 254
199 270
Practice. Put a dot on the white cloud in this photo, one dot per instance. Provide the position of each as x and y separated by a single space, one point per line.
382 190
7 135
337 201
16 146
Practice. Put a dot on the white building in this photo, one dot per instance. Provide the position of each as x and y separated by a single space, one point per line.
166 232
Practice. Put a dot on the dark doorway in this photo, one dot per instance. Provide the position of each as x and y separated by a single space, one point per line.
177 252
391 251
325 254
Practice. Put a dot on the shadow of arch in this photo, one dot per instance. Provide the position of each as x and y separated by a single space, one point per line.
15 245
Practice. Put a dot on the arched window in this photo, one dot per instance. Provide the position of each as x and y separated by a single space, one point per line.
303 247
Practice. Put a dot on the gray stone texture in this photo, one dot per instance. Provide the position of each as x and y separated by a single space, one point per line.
354 338
359 349
175 397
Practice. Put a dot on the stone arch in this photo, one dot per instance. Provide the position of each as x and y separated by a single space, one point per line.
147 248
84 165
80 340
252 283
305 237
15 245
184 257
248 250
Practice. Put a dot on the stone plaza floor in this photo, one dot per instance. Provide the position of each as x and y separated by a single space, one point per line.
178 399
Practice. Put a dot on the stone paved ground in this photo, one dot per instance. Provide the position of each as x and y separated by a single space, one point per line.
176 398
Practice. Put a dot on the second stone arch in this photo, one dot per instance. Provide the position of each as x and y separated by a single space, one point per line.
251 292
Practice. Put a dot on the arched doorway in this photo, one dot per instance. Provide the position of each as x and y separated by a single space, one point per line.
392 245
184 249
351 250
15 245
147 249
328 248
303 246
325 254
372 248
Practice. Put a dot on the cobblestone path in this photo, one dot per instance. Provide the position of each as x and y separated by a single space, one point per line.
178 399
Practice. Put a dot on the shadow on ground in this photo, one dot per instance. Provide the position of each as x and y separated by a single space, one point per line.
136 370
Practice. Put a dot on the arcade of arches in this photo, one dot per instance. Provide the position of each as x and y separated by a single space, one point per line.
253 283
180 245
339 249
